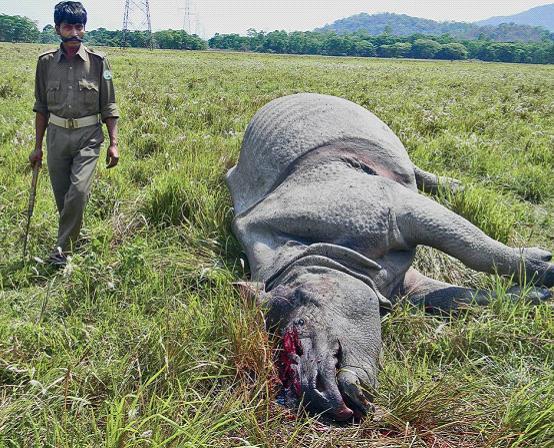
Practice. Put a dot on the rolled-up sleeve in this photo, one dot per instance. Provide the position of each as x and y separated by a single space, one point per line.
108 108
40 89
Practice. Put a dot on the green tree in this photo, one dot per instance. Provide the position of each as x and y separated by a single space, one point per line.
425 48
138 39
485 51
276 42
256 39
48 35
102 36
542 53
313 43
337 45
453 51
396 50
383 39
364 48
18 29
504 51
176 39
297 42
229 42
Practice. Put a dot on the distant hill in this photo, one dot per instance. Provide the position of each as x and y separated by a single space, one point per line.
400 24
403 25
539 16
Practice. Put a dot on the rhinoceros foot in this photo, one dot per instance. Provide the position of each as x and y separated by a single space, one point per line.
537 253
537 269
534 295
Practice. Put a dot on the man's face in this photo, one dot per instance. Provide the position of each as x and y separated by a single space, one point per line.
71 33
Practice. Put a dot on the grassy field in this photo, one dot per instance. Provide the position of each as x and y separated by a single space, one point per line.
143 342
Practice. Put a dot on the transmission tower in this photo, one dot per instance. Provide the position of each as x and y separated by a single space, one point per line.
187 27
198 26
136 16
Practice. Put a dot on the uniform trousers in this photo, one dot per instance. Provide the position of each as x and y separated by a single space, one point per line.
71 157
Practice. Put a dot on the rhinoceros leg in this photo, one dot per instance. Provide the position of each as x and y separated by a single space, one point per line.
420 220
436 295
432 183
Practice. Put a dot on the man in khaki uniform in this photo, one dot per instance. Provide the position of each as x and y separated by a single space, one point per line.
74 93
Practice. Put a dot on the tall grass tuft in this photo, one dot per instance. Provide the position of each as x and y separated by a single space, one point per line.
492 213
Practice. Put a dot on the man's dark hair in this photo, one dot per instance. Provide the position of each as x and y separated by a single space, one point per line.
70 12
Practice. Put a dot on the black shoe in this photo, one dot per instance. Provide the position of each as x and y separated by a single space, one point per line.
57 259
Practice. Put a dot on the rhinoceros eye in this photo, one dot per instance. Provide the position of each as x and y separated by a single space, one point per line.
300 322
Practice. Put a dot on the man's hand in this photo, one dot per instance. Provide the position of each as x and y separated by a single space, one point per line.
35 157
112 157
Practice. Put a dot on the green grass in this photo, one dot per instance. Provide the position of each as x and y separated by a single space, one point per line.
143 342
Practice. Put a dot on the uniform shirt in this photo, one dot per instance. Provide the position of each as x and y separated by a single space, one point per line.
76 88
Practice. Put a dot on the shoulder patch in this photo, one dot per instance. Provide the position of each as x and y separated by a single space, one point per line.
52 50
95 53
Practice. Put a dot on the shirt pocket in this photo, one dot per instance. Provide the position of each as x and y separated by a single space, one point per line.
53 93
89 92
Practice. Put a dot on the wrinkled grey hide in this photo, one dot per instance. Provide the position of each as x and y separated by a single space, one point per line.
327 210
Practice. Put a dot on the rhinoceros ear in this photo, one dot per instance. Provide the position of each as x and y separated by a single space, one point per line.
253 291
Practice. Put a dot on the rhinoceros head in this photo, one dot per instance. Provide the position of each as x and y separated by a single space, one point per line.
330 327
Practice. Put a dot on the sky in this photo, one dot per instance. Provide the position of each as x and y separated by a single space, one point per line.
236 16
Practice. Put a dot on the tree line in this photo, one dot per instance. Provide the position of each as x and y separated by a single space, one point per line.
362 44
22 29
386 45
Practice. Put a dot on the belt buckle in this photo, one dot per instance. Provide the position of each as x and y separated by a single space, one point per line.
72 123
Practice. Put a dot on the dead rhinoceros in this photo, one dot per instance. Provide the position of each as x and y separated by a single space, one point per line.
327 210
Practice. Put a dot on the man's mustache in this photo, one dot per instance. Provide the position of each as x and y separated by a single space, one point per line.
72 39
